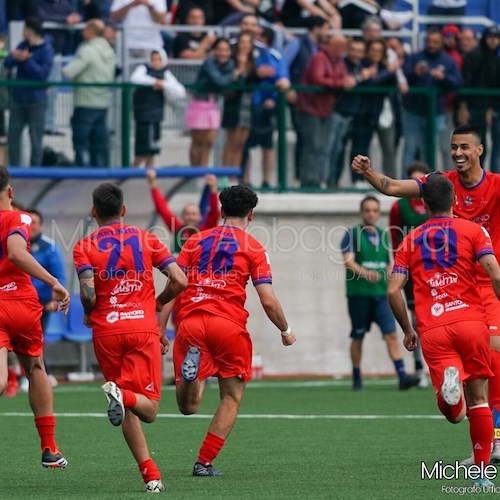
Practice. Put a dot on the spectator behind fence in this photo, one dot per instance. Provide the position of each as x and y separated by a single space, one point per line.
236 115
48 254
481 69
325 68
139 18
32 59
203 116
296 55
296 13
94 62
149 104
193 44
182 7
467 40
430 68
347 107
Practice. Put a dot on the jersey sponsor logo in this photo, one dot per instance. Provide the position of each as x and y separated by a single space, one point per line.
437 309
442 280
467 200
137 314
113 301
201 295
437 295
454 305
9 287
482 219
369 264
126 287
112 317
26 219
214 283
149 387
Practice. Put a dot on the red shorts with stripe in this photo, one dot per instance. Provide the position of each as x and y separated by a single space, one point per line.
132 361
464 344
20 328
492 308
225 346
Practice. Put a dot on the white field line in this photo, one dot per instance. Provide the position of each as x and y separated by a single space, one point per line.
250 416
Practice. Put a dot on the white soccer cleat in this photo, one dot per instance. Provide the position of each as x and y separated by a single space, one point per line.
469 461
424 381
116 410
154 486
450 388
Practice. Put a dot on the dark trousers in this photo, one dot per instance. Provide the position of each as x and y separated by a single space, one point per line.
90 137
21 115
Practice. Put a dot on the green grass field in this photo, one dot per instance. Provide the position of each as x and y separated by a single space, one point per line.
294 439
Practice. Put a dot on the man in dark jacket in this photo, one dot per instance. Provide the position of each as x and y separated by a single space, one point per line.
481 69
325 68
431 67
33 59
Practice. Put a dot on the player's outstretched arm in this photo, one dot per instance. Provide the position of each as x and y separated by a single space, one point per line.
490 265
391 187
395 286
275 312
177 281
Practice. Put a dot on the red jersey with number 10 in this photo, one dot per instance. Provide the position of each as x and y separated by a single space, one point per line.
122 258
440 256
480 204
14 282
218 263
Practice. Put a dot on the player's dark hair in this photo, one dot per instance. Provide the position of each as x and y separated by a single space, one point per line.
417 166
368 198
268 35
4 178
35 24
433 30
36 212
468 129
438 193
313 22
237 201
108 200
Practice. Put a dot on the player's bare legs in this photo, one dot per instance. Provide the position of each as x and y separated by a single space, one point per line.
145 408
392 343
4 370
41 402
189 395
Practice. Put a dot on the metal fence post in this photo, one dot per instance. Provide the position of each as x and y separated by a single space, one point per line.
432 96
126 100
282 163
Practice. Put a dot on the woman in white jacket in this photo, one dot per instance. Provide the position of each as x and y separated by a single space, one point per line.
157 83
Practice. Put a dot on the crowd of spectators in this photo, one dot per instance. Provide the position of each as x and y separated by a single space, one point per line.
325 122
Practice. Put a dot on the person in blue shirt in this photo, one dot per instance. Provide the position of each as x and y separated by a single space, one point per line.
33 59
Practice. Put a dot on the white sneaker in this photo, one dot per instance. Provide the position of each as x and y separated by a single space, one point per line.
450 388
495 454
24 384
53 381
116 410
424 381
154 486
467 462
395 20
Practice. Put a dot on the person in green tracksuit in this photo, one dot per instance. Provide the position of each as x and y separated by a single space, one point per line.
366 252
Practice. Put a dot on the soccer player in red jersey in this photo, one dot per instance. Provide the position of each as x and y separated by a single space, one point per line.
212 338
441 256
476 199
115 269
20 312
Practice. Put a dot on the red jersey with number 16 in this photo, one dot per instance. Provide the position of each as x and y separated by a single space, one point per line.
122 258
480 204
440 256
218 263
14 282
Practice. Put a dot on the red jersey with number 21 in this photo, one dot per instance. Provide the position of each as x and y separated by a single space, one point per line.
218 263
440 256
14 282
479 204
122 258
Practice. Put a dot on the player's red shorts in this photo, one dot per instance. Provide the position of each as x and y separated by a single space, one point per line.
132 361
20 328
492 307
464 344
225 346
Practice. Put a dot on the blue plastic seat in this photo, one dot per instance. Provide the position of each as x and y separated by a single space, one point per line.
76 330
56 327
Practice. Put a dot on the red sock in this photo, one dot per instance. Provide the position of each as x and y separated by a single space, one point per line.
481 430
129 398
451 412
148 470
210 448
45 426
11 375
